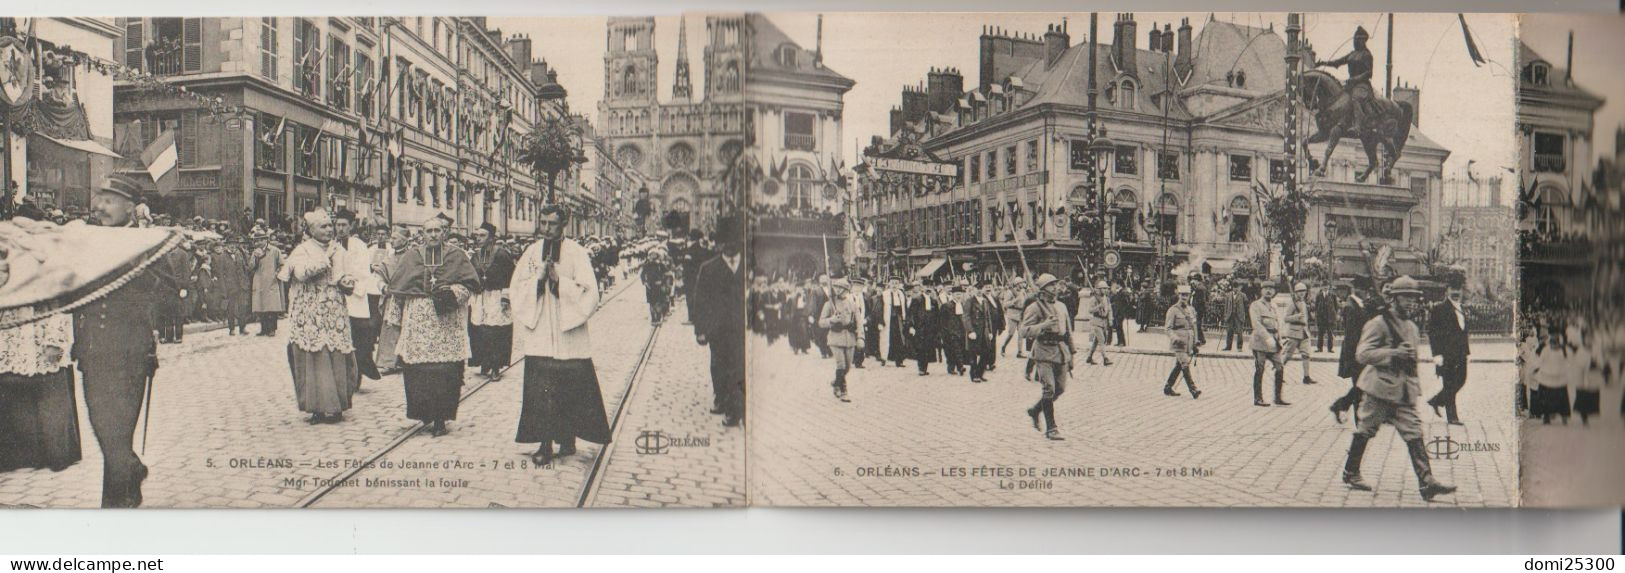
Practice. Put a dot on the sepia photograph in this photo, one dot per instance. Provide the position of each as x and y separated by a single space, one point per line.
1283 243
371 262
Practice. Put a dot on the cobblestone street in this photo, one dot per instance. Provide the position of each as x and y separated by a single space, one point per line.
225 432
941 440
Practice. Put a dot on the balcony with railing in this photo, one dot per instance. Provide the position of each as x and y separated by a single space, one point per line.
801 142
1549 163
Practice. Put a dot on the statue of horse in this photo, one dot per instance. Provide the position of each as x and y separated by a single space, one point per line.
1388 124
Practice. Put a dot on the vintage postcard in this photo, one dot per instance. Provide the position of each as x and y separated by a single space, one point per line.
1122 259
970 259
372 262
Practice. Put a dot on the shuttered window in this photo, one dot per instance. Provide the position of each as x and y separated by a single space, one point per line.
134 40
192 44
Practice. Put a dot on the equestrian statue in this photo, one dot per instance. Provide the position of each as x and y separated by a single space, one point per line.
1350 108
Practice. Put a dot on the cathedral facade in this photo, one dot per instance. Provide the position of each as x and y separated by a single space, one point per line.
682 145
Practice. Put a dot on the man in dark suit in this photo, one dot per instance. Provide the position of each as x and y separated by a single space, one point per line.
1325 319
817 298
995 310
951 330
719 319
922 329
978 321
1358 309
116 351
1448 340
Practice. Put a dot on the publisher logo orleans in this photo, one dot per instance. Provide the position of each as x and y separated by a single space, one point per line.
656 442
1446 448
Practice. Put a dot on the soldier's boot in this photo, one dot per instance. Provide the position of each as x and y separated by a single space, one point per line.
840 385
1280 380
1429 487
1351 467
1189 383
1173 376
1258 388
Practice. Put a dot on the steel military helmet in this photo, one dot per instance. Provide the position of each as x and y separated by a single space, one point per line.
1360 33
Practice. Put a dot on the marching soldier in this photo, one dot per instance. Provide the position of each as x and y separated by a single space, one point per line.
1181 324
1296 340
1388 349
118 355
1049 326
840 320
1100 315
1014 301
1266 344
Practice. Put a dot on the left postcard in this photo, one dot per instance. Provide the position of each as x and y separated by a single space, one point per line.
353 262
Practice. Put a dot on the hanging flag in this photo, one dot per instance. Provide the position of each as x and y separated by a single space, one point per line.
1472 47
160 158
275 134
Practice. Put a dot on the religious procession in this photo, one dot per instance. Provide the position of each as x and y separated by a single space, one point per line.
248 348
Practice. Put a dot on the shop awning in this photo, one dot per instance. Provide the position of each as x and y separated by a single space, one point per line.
931 268
85 145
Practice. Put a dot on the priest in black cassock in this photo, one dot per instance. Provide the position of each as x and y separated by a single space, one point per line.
553 293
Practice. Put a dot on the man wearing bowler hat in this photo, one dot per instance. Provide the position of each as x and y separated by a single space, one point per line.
116 351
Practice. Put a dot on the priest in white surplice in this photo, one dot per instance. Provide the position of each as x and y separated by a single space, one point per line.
553 293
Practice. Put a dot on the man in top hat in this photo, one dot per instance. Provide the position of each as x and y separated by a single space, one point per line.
995 310
1388 348
719 290
1048 325
1266 343
1295 341
1450 345
893 333
922 328
820 295
1361 305
979 319
490 330
840 319
1098 307
117 354
1358 92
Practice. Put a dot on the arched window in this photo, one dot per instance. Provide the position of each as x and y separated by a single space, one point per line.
1125 223
730 77
802 186
1241 219
1168 217
629 81
1126 97
629 42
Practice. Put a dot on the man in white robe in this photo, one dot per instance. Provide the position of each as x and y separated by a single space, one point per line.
551 296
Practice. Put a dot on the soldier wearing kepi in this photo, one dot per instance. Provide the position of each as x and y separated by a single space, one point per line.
1046 323
1266 344
1181 324
118 355
1388 349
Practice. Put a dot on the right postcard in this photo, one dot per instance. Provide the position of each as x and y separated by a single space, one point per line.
1284 246
1571 339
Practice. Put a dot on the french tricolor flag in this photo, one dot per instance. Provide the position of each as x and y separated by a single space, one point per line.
161 157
